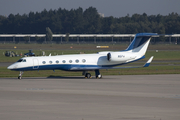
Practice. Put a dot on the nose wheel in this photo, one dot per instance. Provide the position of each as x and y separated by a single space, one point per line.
20 75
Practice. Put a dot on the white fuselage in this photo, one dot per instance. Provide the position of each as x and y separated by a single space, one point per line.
74 62
86 62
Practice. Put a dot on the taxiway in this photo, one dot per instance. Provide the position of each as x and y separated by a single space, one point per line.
127 97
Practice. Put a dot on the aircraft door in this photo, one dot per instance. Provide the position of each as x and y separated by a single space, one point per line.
35 64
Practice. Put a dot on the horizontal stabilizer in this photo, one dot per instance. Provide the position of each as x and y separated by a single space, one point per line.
148 62
145 65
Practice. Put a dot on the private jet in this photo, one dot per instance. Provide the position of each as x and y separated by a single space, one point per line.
89 62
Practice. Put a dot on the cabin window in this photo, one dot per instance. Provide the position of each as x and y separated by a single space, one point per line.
83 60
64 61
70 61
44 62
50 62
57 61
77 61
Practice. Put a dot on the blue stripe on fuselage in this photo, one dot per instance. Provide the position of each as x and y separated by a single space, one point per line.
65 67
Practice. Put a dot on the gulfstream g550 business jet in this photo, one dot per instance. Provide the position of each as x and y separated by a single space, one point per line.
88 62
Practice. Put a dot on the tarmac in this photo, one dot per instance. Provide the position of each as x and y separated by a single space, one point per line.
126 97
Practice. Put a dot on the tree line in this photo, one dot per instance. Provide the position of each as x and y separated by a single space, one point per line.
88 21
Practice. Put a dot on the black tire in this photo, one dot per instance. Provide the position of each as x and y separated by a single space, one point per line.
88 75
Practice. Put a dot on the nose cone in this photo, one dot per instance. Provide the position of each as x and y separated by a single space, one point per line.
10 67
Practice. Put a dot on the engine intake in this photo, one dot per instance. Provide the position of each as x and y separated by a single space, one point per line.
109 56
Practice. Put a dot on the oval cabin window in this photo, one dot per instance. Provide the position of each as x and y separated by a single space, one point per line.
83 60
77 61
70 61
57 61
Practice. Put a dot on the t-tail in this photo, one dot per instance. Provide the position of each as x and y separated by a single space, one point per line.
140 43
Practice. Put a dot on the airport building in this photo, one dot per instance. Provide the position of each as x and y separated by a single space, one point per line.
82 38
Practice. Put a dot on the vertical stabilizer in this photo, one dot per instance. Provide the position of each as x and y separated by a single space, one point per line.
140 43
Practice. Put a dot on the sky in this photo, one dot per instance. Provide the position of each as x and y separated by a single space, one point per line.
115 8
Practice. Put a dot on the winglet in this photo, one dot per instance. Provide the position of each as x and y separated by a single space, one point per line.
148 62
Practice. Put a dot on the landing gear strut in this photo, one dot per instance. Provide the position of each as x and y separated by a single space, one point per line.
20 75
98 75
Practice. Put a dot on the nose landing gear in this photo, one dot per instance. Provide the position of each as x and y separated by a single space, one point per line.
20 75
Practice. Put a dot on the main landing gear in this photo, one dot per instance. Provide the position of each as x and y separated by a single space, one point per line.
98 75
88 75
20 75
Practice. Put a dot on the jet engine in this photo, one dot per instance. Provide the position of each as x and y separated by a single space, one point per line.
119 56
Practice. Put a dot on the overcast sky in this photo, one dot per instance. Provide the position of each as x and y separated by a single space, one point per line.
116 8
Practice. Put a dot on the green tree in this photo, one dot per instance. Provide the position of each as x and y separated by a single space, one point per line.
77 21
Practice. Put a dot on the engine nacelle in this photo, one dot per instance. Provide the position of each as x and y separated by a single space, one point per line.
119 56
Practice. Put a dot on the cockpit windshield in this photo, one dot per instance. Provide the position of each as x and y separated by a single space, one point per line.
21 60
24 60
